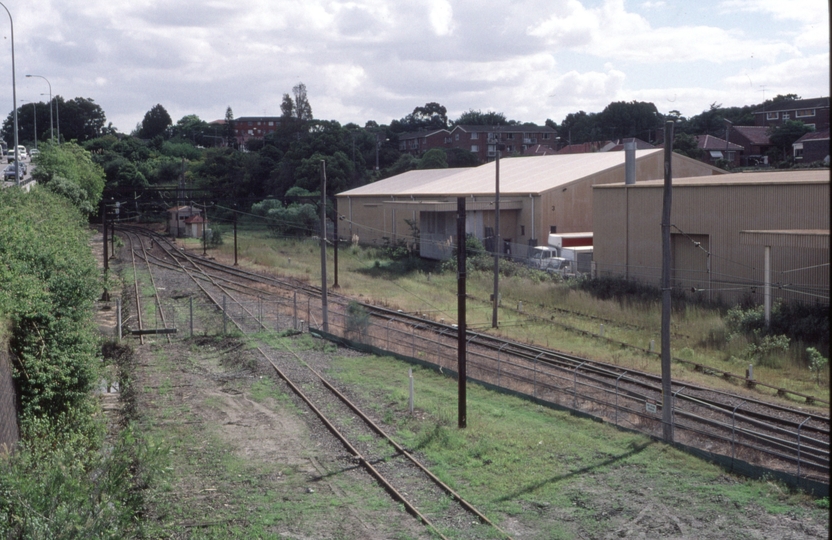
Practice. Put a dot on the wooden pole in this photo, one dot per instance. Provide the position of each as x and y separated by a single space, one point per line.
667 398
496 241
461 329
323 247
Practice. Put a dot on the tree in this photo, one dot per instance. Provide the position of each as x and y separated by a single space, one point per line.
479 118
302 108
686 144
81 119
190 128
435 158
622 119
431 116
287 106
74 174
156 122
228 129
784 135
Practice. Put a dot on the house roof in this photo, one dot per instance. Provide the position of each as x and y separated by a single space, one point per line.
522 175
736 179
709 142
755 134
194 219
814 136
812 103
420 134
583 148
618 146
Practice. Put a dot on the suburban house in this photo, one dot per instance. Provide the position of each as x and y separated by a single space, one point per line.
755 143
605 146
715 150
726 230
252 127
812 112
482 140
812 147
177 217
539 195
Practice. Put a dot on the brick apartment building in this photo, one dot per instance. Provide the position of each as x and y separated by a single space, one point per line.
251 127
483 140
812 112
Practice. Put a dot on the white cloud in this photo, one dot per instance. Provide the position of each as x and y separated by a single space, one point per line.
441 16
805 11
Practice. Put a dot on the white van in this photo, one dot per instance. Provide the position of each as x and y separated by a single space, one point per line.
21 152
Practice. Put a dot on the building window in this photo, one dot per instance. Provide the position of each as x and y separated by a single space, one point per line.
475 135
772 116
251 132
456 137
522 230
811 126
804 113
553 229
509 149
249 123
729 155
475 148
546 135
785 116
271 123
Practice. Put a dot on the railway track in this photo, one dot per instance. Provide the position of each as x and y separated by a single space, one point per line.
394 467
785 436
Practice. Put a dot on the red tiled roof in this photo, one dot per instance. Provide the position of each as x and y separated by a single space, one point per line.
709 142
754 134
814 136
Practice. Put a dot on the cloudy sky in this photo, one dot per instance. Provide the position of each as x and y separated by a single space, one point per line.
378 59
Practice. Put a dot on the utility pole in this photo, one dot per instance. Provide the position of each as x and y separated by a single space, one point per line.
324 306
462 412
667 398
496 239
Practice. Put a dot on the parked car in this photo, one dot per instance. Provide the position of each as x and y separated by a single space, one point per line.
9 173
33 153
21 151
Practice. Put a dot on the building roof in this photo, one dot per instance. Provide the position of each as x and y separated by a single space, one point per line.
195 219
184 209
812 103
618 146
814 136
522 175
755 134
583 148
736 179
419 134
709 142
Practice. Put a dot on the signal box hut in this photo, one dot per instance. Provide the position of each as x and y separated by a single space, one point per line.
177 217
539 195
729 235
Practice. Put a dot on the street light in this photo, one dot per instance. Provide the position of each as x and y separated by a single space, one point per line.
14 100
35 114
51 133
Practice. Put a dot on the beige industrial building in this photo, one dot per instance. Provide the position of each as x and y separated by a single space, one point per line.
538 195
726 232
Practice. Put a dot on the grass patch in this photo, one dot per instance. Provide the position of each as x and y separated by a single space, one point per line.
515 458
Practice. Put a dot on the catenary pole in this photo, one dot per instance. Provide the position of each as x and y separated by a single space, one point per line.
496 240
324 306
667 399
461 326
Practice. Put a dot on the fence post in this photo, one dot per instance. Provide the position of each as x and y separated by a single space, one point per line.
673 407
575 386
224 317
295 311
191 305
616 396
118 317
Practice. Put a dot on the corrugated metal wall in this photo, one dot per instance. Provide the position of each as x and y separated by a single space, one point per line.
627 227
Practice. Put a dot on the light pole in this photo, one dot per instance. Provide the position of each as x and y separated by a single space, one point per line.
51 133
14 100
35 115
